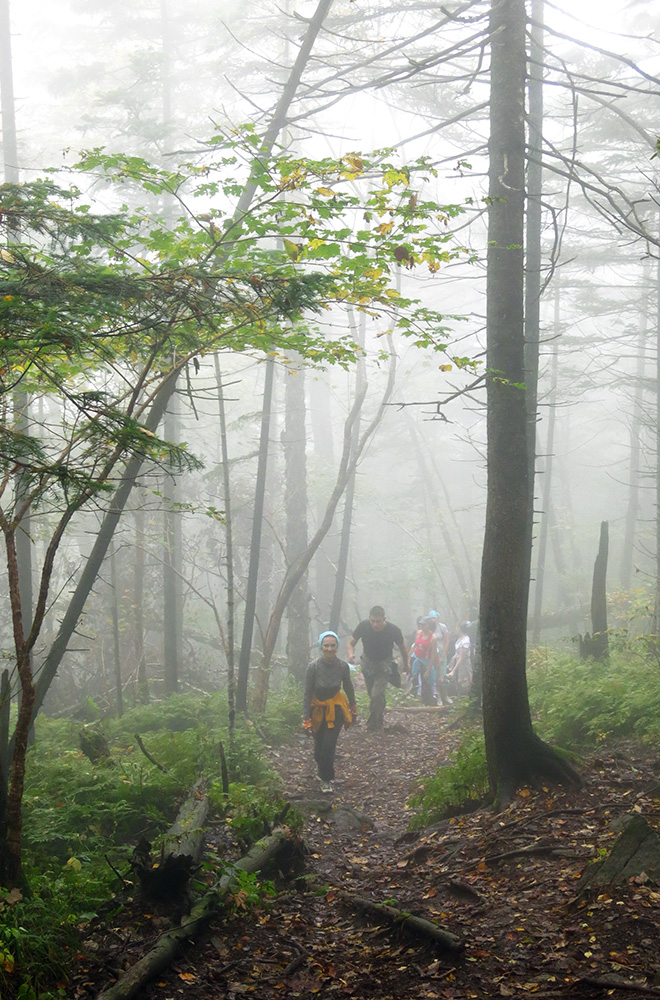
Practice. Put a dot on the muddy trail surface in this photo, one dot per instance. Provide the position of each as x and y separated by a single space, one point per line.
507 886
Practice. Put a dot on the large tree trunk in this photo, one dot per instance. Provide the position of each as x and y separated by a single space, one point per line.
513 751
532 262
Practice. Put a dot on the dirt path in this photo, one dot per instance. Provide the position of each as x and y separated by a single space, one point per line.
506 884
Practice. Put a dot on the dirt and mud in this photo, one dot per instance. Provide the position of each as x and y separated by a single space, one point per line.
506 884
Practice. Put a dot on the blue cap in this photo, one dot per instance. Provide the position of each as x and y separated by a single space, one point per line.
323 635
433 614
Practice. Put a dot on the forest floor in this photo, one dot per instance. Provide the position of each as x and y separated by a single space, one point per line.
506 884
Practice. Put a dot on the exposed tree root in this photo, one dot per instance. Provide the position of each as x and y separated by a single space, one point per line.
537 762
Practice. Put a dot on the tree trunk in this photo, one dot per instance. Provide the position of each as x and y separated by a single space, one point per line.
532 262
349 498
99 549
348 462
320 412
133 982
255 544
656 608
632 506
229 547
513 751
597 644
116 650
172 565
294 444
547 485
138 608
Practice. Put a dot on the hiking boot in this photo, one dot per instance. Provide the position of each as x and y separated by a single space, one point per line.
326 787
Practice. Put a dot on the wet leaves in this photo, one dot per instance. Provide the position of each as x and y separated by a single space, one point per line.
526 931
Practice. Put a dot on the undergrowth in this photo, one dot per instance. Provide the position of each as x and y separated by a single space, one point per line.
575 704
454 786
581 703
82 819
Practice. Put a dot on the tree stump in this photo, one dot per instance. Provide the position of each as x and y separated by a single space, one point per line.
167 878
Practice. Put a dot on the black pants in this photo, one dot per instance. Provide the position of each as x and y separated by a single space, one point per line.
325 746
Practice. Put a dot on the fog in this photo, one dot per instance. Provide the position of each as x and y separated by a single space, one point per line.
157 81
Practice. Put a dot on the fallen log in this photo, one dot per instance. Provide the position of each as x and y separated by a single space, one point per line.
406 921
163 953
417 709
167 878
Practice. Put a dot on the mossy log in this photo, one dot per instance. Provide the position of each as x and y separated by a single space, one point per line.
417 926
163 953
168 877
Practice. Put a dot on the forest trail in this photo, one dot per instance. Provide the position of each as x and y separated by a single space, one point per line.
504 883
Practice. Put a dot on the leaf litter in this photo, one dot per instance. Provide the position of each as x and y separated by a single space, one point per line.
505 883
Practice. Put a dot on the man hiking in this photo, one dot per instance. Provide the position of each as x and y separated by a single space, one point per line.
378 665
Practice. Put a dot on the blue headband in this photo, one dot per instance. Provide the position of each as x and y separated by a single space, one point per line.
323 635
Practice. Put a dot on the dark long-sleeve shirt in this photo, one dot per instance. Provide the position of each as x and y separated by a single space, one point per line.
324 680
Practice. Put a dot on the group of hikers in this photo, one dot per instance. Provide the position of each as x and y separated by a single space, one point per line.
428 671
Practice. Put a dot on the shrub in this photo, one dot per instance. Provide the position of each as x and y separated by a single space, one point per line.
453 786
583 702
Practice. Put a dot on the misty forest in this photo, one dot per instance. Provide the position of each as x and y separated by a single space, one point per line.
329 499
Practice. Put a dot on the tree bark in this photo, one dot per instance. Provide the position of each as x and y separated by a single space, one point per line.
172 564
229 551
255 544
294 444
514 753
133 982
294 572
116 650
597 644
417 926
180 851
632 506
138 608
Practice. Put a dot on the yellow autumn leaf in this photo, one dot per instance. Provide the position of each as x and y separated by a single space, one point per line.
291 249
384 228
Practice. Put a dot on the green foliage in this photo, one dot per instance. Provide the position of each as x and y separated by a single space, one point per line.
253 810
76 813
282 715
583 702
251 892
452 786
38 932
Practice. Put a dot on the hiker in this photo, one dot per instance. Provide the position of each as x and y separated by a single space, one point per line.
459 671
377 661
442 643
423 660
326 708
